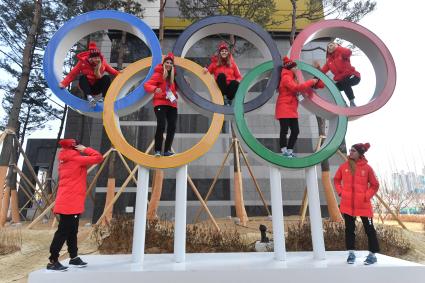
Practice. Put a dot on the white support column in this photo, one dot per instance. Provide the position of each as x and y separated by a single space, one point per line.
277 214
315 213
139 233
180 215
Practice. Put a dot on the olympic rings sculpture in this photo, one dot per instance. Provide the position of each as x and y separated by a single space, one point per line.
81 26
371 45
236 26
334 111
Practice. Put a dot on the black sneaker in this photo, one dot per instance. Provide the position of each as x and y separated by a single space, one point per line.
56 266
168 153
77 262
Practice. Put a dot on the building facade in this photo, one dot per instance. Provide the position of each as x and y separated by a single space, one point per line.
139 128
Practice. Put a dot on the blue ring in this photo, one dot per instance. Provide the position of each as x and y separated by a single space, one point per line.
138 26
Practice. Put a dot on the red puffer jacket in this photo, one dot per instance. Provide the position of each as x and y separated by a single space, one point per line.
73 179
157 80
287 102
356 191
338 62
232 73
87 69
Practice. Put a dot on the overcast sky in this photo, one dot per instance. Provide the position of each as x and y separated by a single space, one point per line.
397 131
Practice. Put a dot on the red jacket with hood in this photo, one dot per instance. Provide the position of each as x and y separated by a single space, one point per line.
87 69
73 178
157 81
338 62
232 72
287 102
356 191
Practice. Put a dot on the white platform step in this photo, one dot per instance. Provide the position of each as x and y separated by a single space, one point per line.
237 268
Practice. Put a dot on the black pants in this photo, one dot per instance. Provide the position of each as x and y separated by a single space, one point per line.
228 90
165 115
350 236
346 85
285 124
67 231
100 86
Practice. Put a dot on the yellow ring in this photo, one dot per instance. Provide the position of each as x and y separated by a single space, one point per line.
113 130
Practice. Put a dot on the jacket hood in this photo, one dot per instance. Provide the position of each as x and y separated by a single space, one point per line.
67 153
287 72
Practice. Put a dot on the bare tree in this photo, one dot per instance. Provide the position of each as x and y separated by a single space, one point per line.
12 124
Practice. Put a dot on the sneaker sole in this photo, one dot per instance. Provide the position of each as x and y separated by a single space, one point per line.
78 266
51 270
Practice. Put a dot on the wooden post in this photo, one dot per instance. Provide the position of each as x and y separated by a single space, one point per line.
257 187
5 207
211 188
110 186
157 180
117 195
124 185
238 188
203 204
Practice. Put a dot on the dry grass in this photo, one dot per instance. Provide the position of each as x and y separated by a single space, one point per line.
417 218
10 240
117 238
391 240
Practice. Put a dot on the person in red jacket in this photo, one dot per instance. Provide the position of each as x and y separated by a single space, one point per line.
226 72
164 90
93 81
356 184
70 199
287 106
345 75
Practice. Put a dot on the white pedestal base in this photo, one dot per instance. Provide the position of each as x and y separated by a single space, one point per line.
237 267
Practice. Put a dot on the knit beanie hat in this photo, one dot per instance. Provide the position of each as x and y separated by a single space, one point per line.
222 46
288 63
170 56
361 147
93 50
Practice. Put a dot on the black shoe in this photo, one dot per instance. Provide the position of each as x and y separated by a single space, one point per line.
168 153
77 262
56 266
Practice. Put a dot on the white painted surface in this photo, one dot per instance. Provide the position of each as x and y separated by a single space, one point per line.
277 214
140 215
315 213
299 267
180 215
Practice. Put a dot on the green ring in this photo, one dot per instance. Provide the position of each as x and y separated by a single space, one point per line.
331 144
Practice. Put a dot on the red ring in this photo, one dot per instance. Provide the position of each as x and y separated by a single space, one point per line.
370 44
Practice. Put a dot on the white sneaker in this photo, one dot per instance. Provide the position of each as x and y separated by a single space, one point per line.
91 100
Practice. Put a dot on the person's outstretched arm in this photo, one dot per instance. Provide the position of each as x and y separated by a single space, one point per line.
72 75
111 70
92 156
237 73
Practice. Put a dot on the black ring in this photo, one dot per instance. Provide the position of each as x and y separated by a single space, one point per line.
247 26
